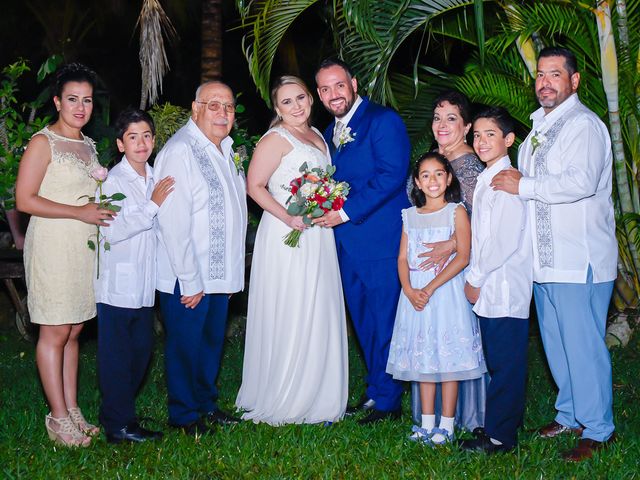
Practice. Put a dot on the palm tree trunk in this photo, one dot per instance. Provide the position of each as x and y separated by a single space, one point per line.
609 66
211 58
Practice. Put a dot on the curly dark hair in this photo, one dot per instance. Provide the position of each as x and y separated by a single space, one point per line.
456 99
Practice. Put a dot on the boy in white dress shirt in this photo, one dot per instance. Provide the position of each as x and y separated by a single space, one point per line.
125 289
499 283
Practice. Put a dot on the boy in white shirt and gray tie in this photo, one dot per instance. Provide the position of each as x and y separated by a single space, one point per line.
499 282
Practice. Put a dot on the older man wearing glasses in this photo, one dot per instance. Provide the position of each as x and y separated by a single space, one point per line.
202 228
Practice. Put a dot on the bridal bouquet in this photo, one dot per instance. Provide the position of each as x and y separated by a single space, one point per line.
312 195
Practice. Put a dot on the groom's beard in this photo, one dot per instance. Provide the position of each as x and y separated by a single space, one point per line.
342 110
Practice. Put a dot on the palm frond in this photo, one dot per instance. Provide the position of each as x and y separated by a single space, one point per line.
496 84
153 23
370 46
415 100
268 22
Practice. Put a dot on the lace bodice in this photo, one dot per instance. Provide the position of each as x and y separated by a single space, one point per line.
426 228
68 176
289 167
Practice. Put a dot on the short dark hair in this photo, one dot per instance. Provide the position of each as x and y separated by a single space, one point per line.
129 116
453 193
570 61
333 62
73 72
502 118
456 99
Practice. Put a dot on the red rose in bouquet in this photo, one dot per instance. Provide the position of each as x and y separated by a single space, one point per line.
312 195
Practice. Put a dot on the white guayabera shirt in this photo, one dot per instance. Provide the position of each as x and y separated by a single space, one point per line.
202 224
501 255
568 180
128 269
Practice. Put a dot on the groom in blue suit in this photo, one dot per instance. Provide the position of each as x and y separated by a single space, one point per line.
370 150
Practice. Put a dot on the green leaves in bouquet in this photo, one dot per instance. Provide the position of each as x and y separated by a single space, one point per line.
317 213
295 208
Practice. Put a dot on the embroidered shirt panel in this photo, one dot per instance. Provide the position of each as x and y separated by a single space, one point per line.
543 210
216 212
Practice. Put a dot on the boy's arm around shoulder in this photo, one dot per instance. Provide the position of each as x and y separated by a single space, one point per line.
503 237
136 214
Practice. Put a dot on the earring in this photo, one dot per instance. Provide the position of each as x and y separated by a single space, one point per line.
279 118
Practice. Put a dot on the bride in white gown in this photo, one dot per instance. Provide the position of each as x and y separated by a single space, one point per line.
295 358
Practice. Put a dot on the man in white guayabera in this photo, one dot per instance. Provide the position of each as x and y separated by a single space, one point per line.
202 228
565 173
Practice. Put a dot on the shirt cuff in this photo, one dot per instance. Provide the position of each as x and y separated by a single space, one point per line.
474 279
527 188
343 215
190 288
151 209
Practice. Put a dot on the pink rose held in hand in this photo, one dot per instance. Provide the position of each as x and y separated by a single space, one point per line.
99 174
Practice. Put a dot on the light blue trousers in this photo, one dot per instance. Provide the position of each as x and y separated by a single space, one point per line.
572 319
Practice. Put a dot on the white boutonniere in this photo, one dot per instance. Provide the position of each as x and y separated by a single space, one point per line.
238 160
345 137
537 140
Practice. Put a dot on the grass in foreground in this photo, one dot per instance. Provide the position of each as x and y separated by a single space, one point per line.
344 450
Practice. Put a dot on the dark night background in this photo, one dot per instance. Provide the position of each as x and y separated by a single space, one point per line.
103 35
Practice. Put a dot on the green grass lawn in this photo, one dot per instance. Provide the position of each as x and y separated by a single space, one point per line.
344 450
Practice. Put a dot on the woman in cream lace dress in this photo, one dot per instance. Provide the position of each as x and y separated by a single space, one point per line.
54 174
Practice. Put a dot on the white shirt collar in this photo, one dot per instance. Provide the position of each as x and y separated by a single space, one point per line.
345 120
225 145
540 116
131 174
492 171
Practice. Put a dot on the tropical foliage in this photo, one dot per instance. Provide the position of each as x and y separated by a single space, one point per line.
17 123
404 51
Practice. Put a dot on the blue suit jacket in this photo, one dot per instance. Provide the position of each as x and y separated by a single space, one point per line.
376 165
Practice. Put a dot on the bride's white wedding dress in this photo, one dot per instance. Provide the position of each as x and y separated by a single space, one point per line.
295 359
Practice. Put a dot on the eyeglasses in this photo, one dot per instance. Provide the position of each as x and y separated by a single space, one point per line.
214 106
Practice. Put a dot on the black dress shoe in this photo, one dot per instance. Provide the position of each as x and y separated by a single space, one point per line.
132 433
482 443
364 405
221 418
193 429
378 415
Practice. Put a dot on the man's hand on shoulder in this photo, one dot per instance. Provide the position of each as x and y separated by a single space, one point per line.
507 181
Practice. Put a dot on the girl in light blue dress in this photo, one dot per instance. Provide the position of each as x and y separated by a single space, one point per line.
436 338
